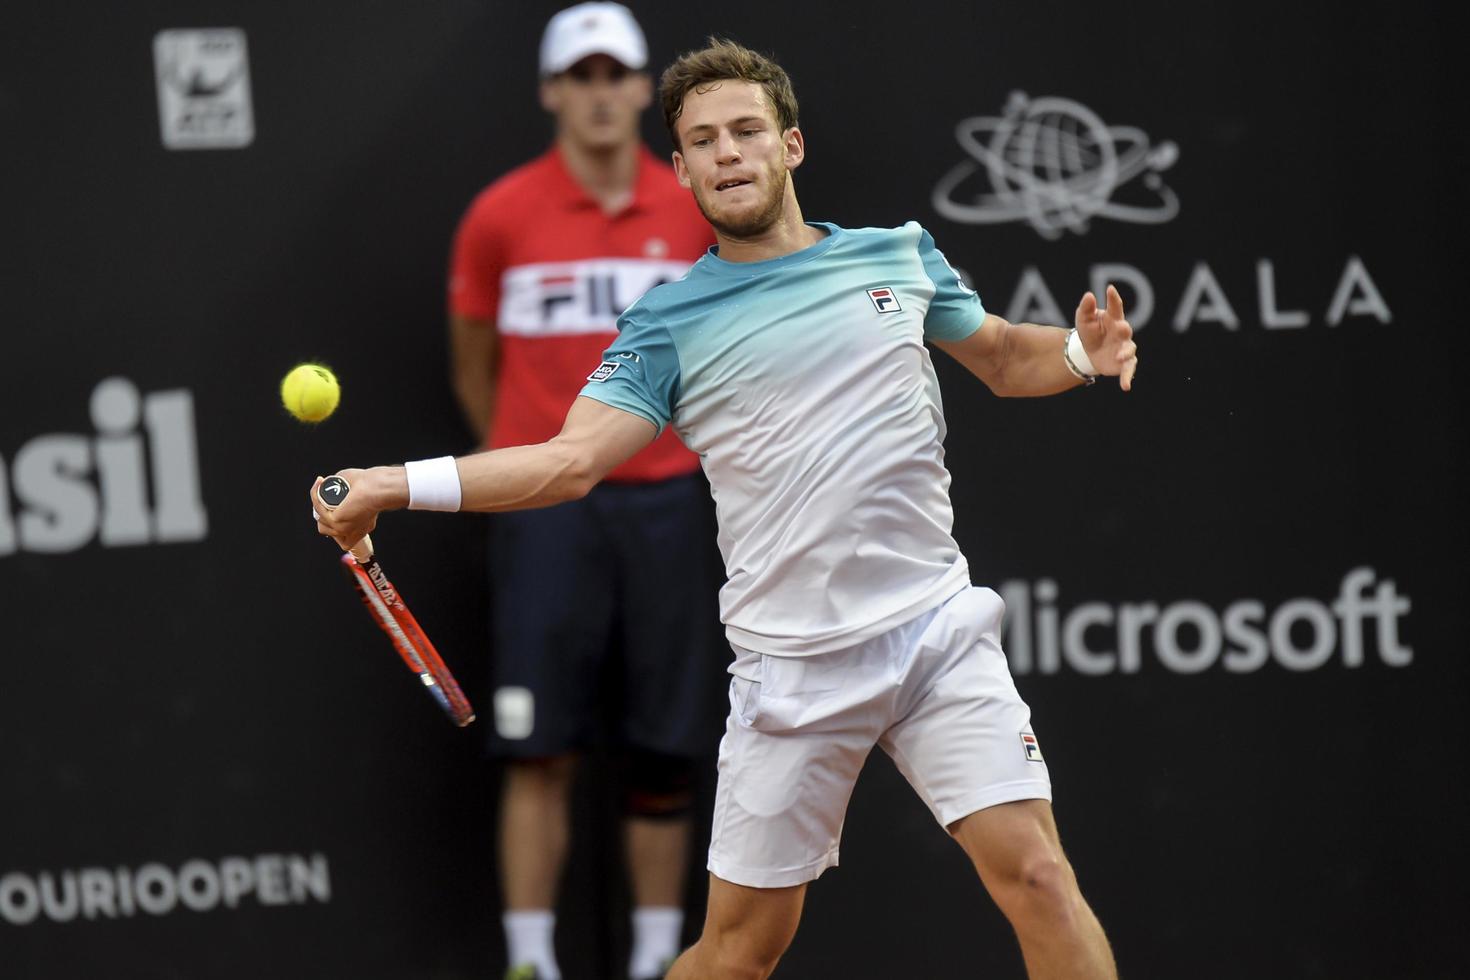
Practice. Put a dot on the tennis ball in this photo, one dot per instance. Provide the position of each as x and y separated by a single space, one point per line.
310 392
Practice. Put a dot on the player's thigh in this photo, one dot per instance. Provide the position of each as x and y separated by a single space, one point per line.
1017 852
1001 838
551 619
759 921
965 742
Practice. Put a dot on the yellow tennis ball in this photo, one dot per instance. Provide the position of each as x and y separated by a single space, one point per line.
310 392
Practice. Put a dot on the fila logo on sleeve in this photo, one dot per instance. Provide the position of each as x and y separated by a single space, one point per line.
1032 747
885 300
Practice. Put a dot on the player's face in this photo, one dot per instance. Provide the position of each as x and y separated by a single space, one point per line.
735 157
597 101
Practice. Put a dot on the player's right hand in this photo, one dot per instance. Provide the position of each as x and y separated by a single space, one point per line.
353 519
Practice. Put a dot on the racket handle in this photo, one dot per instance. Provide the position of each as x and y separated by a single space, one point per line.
337 489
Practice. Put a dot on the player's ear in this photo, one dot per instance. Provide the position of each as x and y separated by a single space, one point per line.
681 170
795 147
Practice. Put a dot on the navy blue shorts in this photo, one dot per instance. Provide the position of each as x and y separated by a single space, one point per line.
605 611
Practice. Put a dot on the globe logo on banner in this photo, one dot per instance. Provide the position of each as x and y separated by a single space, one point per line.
1054 164
203 89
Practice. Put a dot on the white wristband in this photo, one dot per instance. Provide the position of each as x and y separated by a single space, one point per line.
433 484
1076 357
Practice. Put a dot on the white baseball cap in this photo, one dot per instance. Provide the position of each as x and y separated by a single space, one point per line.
592 28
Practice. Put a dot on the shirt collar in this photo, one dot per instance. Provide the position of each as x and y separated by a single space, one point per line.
712 262
645 183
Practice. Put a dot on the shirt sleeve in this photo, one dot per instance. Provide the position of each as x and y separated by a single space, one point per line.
476 264
639 373
955 312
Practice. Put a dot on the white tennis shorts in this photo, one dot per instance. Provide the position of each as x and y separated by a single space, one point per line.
935 693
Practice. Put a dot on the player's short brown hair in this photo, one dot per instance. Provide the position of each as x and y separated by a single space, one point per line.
720 61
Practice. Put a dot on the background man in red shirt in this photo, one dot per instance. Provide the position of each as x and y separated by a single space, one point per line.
615 592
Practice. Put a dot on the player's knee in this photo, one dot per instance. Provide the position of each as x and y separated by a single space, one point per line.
744 952
748 937
1040 885
1045 875
744 967
658 786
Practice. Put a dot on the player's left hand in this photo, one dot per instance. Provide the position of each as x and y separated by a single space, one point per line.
354 519
1107 337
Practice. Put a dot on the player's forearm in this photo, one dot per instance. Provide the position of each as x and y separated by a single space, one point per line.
524 477
518 478
1032 363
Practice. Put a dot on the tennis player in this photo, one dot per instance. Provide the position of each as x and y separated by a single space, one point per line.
792 359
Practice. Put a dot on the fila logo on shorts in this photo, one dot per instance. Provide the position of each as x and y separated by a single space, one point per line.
884 300
604 371
1032 747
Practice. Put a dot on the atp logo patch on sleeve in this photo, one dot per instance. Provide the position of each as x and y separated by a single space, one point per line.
604 371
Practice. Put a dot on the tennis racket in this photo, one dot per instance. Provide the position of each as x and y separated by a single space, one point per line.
389 611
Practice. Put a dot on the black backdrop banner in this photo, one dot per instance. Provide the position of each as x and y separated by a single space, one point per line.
1234 594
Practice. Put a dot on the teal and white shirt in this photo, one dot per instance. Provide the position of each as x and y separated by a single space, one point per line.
804 385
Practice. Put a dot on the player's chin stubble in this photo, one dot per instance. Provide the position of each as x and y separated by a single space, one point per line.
753 223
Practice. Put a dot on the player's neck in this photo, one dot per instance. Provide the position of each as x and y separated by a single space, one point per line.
789 234
607 174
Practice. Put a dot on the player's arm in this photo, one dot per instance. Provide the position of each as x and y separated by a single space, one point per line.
1026 360
474 354
594 440
1014 359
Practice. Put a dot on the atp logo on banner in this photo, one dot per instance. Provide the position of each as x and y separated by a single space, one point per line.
72 488
203 89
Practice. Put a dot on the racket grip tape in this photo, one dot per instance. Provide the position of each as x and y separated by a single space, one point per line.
332 492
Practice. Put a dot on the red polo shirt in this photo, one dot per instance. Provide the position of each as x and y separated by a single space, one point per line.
538 256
